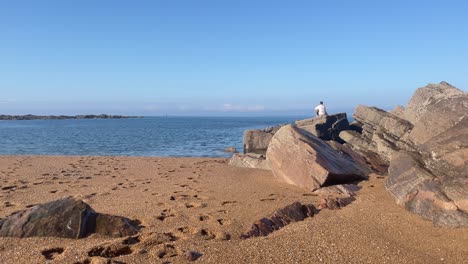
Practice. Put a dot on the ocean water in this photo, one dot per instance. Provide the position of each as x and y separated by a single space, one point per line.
149 136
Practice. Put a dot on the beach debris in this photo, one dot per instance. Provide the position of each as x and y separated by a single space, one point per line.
294 212
68 218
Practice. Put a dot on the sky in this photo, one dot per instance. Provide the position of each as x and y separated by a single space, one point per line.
233 58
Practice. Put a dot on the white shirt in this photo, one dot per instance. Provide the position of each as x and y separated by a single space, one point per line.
322 110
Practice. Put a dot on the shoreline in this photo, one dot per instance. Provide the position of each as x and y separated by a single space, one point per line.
206 205
62 117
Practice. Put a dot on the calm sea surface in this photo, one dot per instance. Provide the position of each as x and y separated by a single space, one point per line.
149 136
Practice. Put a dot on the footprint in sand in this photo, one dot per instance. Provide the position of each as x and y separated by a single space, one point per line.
222 221
203 218
165 214
268 199
228 202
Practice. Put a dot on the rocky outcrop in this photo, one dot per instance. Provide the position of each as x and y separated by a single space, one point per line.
424 97
257 141
249 160
448 152
382 133
292 213
326 127
425 145
299 158
440 199
68 218
439 116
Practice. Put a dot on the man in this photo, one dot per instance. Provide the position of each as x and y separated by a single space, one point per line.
321 110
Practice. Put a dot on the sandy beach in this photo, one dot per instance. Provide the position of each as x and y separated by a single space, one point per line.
203 204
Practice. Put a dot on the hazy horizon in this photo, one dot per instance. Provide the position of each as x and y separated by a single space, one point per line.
213 58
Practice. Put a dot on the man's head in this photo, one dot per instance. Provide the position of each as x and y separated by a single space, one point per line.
321 102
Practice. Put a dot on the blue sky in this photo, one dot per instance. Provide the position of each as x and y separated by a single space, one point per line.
225 57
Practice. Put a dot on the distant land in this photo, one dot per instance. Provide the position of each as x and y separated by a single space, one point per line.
60 117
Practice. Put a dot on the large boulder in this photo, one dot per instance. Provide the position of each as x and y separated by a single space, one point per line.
439 116
442 199
257 141
300 158
249 160
68 218
382 133
432 180
448 151
421 101
327 127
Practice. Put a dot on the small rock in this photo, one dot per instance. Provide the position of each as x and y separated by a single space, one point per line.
230 150
192 255
334 203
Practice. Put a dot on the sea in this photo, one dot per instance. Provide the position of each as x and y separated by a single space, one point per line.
147 136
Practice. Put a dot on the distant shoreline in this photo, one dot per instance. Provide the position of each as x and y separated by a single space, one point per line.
62 117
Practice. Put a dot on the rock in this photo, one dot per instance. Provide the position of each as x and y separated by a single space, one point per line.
230 150
357 140
377 120
430 196
355 126
114 226
340 190
249 160
257 141
430 178
191 255
327 127
383 133
438 116
67 217
299 158
294 212
426 96
398 111
366 152
448 152
334 203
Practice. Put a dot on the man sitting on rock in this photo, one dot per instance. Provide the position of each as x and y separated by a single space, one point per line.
321 110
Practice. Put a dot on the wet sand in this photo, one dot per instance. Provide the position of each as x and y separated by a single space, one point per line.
203 204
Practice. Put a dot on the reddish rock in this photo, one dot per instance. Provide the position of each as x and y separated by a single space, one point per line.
327 127
257 141
292 213
334 203
68 218
299 158
249 160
